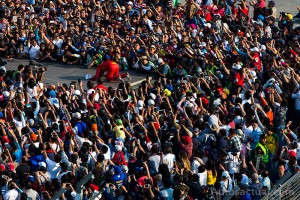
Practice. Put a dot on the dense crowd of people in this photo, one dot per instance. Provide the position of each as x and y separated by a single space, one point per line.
221 115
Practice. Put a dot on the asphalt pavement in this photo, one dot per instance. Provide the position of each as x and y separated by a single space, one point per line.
59 72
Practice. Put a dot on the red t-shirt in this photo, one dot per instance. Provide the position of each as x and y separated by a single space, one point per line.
239 79
257 63
188 148
101 87
141 180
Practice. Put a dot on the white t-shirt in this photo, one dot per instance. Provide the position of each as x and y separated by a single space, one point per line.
58 42
169 160
203 178
53 168
11 195
226 185
194 166
33 51
46 177
81 140
32 93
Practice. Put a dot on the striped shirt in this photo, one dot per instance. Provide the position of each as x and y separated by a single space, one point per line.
140 6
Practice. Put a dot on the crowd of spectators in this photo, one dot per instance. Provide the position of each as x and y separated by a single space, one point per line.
221 113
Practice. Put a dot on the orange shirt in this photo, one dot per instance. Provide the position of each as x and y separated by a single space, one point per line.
270 116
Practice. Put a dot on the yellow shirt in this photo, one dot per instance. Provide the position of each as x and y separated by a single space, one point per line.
211 180
271 142
119 131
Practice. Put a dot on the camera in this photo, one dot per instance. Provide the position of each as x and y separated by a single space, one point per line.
282 13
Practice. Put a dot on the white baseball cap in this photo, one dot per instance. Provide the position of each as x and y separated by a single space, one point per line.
208 25
150 102
3 68
5 94
225 174
77 115
140 104
160 61
42 164
153 96
254 49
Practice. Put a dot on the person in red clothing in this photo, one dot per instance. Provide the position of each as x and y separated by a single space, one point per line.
112 71
253 54
239 80
186 145
100 85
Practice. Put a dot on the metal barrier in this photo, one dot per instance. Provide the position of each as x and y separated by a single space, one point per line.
58 194
289 190
80 184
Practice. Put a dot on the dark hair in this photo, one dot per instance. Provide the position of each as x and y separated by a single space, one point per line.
57 158
210 165
168 149
104 149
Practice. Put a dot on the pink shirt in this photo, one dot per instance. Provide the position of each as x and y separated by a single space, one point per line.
261 4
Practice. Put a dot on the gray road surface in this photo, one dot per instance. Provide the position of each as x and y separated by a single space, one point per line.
58 72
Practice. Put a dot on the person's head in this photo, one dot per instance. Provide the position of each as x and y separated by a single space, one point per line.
269 130
254 125
152 49
129 5
168 150
262 139
265 173
154 149
144 60
179 65
281 169
183 155
33 42
57 158
271 4
90 85
104 149
24 159
225 175
21 68
201 169
137 46
254 178
28 185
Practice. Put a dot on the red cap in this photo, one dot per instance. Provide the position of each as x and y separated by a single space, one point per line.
186 139
292 154
5 139
240 33
2 167
11 167
94 187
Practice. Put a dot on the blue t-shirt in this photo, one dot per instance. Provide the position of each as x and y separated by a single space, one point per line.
34 160
81 126
18 154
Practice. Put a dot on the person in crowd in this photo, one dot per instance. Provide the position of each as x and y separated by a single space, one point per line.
222 101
